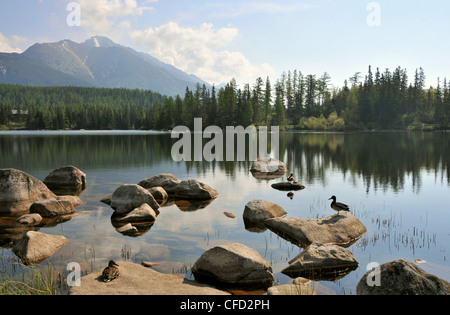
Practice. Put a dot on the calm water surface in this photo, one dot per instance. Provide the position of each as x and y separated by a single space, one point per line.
397 184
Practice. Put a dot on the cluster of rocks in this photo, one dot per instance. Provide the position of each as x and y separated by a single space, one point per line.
235 265
325 257
324 239
33 204
136 206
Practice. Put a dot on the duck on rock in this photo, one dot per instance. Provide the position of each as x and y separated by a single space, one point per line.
111 272
338 206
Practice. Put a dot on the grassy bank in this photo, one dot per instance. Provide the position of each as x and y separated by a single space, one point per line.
18 279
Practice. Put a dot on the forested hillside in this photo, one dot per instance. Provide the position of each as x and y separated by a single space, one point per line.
377 100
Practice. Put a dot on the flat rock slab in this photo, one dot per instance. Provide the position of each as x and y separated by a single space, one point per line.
50 208
288 186
343 230
135 279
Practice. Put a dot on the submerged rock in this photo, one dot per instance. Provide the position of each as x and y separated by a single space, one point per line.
35 247
401 277
233 265
126 198
343 230
19 190
288 186
322 262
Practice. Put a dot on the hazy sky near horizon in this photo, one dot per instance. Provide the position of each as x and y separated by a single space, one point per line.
218 40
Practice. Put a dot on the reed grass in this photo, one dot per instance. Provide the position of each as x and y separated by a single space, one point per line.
24 280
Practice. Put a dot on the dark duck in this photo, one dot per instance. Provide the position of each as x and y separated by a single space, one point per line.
111 272
291 178
338 206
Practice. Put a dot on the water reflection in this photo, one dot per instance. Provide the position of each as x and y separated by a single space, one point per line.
407 219
383 160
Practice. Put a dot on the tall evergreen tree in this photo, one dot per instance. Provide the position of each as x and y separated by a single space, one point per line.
267 101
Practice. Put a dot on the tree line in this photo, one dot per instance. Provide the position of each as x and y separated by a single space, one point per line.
377 100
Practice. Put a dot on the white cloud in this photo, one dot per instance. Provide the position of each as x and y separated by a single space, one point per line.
8 45
100 16
201 51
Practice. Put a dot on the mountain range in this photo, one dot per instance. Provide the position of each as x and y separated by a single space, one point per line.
97 62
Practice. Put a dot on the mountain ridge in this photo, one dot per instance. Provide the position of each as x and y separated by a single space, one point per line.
96 62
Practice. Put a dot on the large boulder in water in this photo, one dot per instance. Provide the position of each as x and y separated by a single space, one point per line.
167 181
343 230
194 190
19 190
233 265
126 198
268 168
257 211
175 188
35 247
67 180
322 262
401 277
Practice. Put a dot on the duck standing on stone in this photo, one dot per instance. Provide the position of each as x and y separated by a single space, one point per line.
111 272
291 178
338 206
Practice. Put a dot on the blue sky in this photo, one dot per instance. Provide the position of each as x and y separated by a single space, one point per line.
218 40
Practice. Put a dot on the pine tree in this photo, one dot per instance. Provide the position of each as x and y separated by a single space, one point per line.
299 92
310 97
258 100
267 101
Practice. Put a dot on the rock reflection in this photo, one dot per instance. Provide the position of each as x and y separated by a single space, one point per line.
382 159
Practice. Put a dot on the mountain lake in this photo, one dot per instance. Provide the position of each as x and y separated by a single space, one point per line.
396 183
